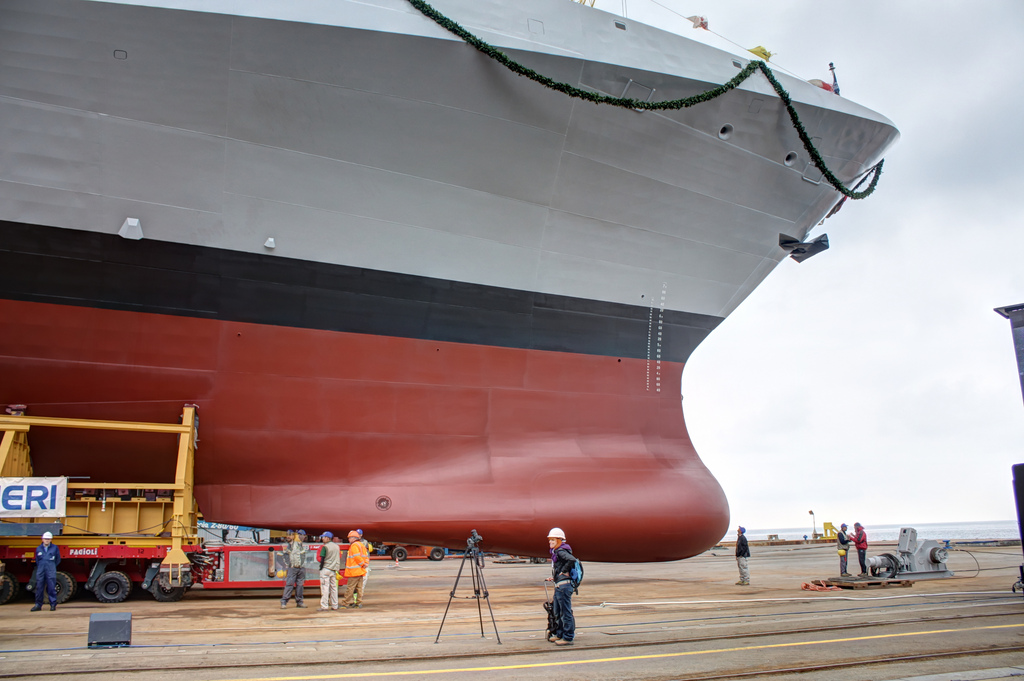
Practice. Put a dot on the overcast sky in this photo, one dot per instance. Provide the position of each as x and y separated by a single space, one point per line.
873 382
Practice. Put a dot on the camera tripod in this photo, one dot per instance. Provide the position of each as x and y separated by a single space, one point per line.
476 566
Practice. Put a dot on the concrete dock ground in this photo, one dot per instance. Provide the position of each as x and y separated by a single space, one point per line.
681 620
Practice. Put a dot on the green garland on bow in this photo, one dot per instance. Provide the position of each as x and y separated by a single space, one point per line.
674 104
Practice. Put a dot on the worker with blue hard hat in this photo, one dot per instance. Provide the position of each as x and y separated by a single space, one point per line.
329 556
843 542
47 560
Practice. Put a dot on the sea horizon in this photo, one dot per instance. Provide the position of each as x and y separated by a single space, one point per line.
965 531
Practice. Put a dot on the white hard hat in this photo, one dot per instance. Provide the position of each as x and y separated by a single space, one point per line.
557 533
47 535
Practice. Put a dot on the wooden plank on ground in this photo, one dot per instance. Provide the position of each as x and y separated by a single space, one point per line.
868 583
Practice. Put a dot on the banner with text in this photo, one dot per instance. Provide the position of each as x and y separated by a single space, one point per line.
33 497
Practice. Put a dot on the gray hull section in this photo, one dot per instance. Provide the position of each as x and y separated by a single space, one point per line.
410 152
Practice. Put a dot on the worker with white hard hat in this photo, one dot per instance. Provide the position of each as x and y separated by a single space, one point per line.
564 631
47 560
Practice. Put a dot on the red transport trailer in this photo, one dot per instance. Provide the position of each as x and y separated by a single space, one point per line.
113 571
112 536
252 566
405 551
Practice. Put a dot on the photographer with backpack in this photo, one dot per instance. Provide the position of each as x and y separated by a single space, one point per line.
562 570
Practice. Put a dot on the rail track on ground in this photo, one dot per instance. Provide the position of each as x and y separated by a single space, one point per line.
804 670
625 631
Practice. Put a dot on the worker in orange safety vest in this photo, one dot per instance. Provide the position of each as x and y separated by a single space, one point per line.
356 563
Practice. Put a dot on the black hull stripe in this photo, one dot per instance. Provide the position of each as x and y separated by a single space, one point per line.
73 267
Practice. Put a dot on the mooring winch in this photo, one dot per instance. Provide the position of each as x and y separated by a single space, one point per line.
912 560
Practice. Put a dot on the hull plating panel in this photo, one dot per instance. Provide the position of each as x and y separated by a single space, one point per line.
412 440
340 142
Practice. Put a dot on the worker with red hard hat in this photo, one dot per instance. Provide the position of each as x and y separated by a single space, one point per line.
860 540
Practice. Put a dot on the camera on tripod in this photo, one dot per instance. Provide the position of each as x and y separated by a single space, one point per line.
476 566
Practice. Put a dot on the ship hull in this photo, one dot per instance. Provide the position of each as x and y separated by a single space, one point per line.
408 290
413 438
410 440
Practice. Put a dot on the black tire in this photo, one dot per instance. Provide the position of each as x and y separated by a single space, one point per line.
164 593
112 587
9 587
399 553
65 587
436 554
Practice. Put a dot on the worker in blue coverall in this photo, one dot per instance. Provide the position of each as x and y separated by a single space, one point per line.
47 560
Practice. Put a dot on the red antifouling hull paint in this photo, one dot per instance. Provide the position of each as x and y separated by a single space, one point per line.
411 440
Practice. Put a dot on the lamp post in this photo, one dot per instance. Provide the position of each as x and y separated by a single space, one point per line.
814 526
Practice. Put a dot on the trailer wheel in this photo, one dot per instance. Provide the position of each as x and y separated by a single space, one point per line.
436 554
164 593
8 587
112 587
399 553
65 587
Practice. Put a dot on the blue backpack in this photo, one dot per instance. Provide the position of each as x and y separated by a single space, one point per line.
576 575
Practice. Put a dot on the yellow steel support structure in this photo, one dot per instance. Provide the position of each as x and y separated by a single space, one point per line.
163 514
14 458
